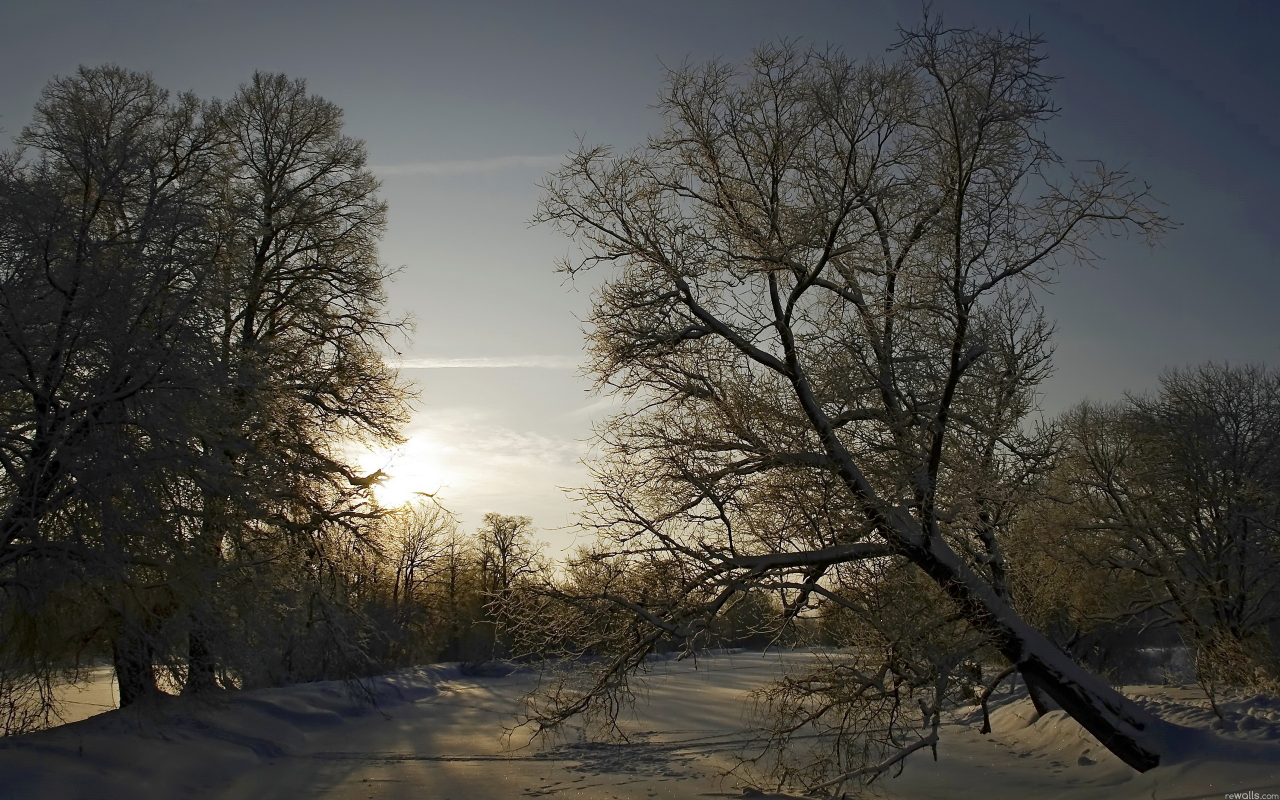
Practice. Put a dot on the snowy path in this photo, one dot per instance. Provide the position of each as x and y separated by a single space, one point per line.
450 746
442 739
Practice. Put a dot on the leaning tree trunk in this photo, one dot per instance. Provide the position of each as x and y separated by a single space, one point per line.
1119 724
1042 703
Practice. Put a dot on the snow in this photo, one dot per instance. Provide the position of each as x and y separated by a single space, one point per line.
438 732
93 696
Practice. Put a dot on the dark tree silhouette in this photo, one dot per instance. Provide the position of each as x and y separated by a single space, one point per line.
107 249
298 321
190 322
1178 495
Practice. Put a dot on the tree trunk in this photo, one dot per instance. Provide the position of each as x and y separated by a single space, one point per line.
1042 703
1119 724
206 559
201 665
135 673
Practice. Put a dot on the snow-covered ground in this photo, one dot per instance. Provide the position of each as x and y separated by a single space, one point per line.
96 694
437 733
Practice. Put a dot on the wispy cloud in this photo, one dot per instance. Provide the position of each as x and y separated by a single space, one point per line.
495 362
604 405
437 168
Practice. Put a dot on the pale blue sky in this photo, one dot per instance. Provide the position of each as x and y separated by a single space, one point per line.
465 105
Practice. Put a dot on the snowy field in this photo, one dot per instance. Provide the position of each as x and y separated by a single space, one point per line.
437 733
94 696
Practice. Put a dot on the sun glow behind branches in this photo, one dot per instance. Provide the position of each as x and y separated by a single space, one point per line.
472 463
419 466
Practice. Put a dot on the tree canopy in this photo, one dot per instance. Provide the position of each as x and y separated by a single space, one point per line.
191 311
821 306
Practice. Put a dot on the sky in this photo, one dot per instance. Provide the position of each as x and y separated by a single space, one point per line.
464 106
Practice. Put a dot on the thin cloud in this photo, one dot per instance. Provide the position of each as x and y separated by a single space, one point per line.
499 362
605 404
466 167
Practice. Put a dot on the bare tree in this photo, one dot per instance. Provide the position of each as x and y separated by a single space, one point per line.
190 317
423 534
417 546
1179 493
508 559
507 551
298 325
821 310
106 250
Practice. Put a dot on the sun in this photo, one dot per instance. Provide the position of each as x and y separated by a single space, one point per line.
414 468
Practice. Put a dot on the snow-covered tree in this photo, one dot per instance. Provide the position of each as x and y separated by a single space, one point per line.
821 309
191 311
106 250
297 317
